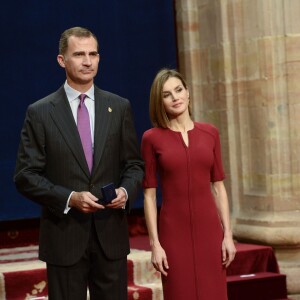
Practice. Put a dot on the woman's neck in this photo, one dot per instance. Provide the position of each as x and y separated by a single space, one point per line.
181 124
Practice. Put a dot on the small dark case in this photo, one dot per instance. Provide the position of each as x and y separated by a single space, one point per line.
108 193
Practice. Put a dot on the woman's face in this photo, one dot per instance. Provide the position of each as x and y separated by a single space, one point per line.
175 97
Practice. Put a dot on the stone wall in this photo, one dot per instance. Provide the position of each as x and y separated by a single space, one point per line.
242 61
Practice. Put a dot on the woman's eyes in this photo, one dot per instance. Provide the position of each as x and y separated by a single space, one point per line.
166 95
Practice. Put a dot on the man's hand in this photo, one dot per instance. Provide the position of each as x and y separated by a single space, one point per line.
85 202
120 201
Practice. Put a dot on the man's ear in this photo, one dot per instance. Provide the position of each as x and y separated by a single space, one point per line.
61 60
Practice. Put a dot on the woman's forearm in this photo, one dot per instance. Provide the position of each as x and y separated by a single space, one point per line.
221 199
150 210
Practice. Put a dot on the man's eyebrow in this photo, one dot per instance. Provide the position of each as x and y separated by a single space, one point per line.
83 52
78 52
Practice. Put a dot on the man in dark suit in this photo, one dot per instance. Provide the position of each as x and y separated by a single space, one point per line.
84 242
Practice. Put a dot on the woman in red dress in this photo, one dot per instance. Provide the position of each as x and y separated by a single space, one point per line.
193 245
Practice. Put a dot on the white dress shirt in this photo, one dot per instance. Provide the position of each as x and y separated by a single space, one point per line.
73 98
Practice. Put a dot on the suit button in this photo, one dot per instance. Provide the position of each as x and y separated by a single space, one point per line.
92 186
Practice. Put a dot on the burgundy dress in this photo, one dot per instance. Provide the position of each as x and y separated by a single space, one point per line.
190 229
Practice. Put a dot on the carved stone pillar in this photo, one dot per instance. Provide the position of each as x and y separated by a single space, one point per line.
242 59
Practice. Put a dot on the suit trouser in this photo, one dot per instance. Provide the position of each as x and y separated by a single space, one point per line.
106 279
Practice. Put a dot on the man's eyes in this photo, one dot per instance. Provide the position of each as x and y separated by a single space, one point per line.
82 54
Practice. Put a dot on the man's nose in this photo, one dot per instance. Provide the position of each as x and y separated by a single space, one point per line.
87 60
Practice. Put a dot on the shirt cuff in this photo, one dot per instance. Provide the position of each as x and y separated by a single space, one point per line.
67 205
126 195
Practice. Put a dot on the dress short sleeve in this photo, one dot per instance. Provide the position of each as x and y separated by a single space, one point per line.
149 157
217 171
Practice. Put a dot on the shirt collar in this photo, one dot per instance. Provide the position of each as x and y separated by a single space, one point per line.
72 94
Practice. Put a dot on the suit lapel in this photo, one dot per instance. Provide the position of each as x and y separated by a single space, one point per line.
103 114
64 120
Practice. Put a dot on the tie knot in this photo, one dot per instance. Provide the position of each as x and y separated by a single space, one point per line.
82 98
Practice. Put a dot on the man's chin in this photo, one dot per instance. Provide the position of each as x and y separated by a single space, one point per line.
86 79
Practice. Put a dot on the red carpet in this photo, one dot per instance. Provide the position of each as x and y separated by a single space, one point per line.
254 274
23 276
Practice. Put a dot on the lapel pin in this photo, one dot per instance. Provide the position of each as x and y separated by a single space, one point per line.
109 109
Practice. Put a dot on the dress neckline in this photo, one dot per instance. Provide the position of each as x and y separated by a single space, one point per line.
186 142
176 131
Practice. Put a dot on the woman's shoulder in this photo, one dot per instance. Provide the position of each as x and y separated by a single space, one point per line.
207 127
153 133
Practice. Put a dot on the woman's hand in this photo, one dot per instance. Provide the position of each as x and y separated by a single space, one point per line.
159 259
228 250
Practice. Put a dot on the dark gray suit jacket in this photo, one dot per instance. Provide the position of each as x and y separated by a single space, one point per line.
51 164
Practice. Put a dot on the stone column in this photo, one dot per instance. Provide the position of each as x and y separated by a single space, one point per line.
242 59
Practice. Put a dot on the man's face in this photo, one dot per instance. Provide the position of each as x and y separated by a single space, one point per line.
80 61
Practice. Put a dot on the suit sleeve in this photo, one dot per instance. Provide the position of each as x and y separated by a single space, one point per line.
133 166
30 167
